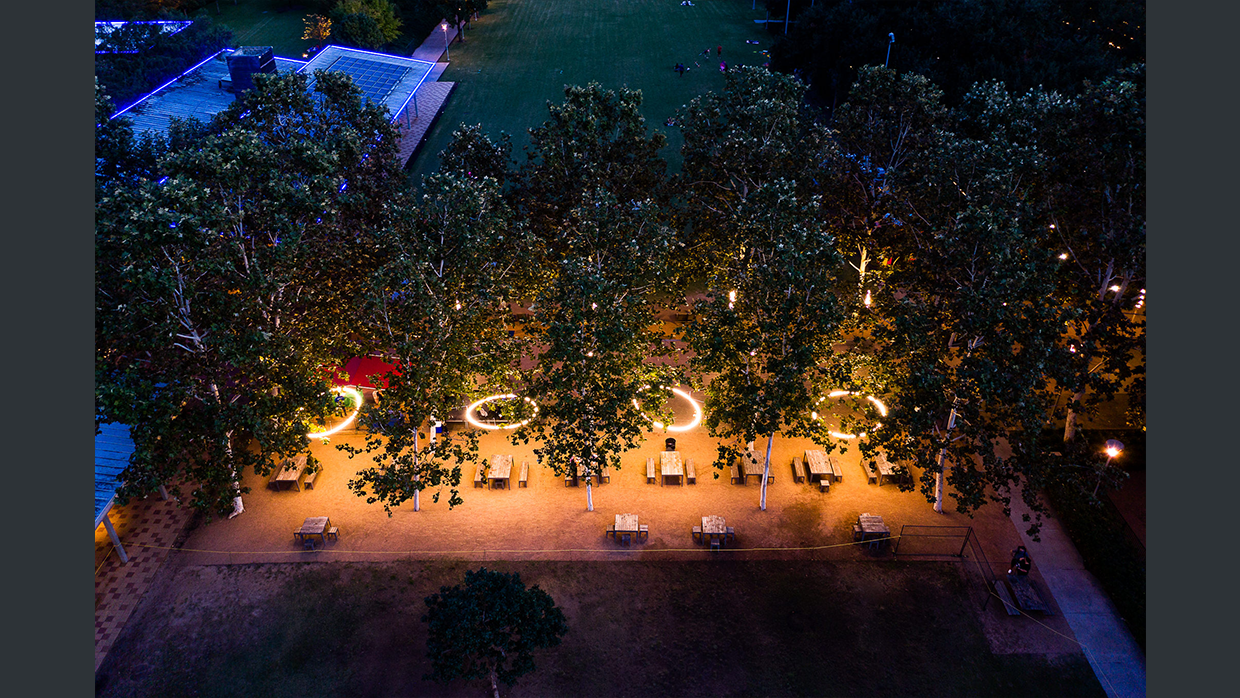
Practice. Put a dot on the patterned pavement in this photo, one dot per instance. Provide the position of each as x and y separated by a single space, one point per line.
147 529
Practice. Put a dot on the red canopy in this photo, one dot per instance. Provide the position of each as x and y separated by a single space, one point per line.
360 370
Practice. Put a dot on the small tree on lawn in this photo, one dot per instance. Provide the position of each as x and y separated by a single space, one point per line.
489 627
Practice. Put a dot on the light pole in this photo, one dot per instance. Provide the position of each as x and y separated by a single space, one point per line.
1113 449
447 55
787 12
891 40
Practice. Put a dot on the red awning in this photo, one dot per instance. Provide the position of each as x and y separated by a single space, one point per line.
361 369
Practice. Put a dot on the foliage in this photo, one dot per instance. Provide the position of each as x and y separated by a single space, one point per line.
471 154
219 298
318 29
156 57
597 357
489 627
765 331
961 42
437 306
596 139
382 12
358 30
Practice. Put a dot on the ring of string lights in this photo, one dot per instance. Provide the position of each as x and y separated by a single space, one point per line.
357 407
697 411
882 410
469 412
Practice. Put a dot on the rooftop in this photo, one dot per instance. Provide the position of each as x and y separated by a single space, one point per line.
112 450
385 79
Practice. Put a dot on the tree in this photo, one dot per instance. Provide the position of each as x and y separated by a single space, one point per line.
597 357
737 141
764 333
219 299
438 308
144 57
489 627
358 30
596 139
382 12
318 29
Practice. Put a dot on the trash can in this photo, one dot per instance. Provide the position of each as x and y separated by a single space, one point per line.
670 444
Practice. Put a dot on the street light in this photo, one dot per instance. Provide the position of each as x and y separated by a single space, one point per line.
891 36
1113 449
446 54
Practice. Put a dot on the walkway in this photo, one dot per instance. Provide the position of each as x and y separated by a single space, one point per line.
1115 656
148 528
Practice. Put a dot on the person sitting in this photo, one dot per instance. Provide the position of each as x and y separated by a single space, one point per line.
1021 562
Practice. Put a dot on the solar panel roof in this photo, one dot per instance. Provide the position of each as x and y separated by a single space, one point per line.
387 80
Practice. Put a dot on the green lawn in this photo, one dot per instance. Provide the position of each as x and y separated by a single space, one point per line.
691 628
274 23
521 53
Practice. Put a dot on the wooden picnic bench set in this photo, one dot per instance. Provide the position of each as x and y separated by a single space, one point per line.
293 474
626 529
671 466
714 529
316 527
498 473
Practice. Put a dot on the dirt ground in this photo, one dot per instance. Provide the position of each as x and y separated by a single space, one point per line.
706 627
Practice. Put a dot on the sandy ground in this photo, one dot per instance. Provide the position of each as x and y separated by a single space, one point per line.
548 521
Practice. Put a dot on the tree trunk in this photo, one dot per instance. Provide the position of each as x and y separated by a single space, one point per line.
766 470
589 496
417 500
939 480
238 505
1069 424
494 684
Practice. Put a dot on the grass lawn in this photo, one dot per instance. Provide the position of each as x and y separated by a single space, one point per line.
703 628
274 23
522 53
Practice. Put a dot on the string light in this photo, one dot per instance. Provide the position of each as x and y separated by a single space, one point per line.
357 401
469 412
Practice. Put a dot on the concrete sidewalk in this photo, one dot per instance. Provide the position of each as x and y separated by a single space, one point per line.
432 49
1115 656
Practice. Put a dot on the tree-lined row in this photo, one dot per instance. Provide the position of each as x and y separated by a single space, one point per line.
956 263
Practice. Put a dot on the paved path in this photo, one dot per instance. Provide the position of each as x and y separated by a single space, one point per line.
1115 656
432 49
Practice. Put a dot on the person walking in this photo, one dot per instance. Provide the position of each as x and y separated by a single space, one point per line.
718 50
723 66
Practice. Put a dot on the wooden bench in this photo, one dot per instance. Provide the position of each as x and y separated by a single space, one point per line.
1008 604
836 469
275 473
333 533
697 534
798 475
523 481
690 473
736 475
730 535
643 532
605 476
478 475
650 471
308 483
824 484
611 531
568 478
858 534
870 471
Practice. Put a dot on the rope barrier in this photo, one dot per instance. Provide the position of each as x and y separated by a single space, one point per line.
502 550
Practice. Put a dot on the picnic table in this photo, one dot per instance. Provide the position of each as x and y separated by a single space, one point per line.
873 528
670 465
500 471
1026 595
313 526
714 526
819 465
885 468
626 525
750 466
290 473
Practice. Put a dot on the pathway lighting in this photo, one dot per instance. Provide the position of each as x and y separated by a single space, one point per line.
446 53
1113 449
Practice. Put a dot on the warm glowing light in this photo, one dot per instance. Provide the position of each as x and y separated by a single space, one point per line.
1112 452
1072 348
357 407
469 412
1115 288
697 412
458 305
867 299
878 404
731 299
1064 255
594 306
590 354
1052 226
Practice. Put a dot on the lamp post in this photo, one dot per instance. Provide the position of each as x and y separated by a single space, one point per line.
447 54
891 39
1113 449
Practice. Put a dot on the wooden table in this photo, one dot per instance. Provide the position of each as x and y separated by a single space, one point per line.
750 465
626 524
819 465
873 527
290 474
500 471
885 468
713 526
671 466
313 526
